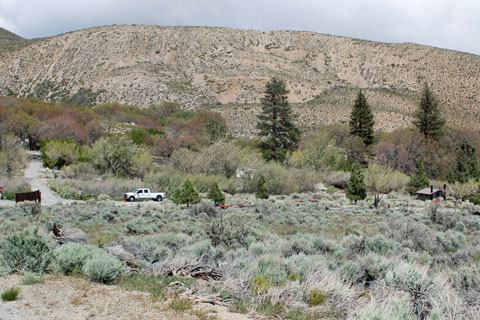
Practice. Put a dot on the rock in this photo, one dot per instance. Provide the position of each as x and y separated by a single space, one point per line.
72 235
119 252
320 187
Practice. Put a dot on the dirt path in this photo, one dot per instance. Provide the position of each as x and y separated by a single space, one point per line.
34 174
78 299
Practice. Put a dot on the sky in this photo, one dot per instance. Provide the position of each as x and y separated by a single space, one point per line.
450 24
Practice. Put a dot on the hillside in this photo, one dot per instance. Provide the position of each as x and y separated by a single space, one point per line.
10 41
226 70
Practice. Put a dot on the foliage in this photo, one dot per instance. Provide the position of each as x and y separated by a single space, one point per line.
227 231
419 179
462 191
25 251
319 151
356 187
71 258
361 120
12 156
259 285
429 120
467 163
187 194
10 294
31 278
317 298
216 195
59 153
276 123
261 192
381 180
103 267
121 156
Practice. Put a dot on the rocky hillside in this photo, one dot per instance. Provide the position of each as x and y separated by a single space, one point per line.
226 70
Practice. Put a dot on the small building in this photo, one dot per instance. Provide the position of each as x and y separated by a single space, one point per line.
432 194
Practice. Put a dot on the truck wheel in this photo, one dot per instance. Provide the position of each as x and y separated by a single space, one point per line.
159 198
131 199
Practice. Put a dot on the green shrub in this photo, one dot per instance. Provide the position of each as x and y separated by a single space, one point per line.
259 285
25 251
293 277
71 258
10 294
181 304
103 267
138 226
316 298
31 278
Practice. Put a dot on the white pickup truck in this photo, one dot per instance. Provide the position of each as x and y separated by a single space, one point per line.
144 194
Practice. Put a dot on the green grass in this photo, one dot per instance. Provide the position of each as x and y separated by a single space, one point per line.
10 294
147 283
180 304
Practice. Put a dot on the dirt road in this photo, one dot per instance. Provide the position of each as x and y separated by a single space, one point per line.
34 174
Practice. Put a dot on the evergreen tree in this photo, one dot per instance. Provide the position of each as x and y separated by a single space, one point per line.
276 123
356 187
429 120
187 194
361 119
261 192
216 195
467 163
419 179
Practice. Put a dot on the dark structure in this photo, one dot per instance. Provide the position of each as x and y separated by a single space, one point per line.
29 196
432 194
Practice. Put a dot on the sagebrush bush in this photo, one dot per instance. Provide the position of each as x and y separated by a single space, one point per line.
138 226
70 258
103 267
31 278
25 251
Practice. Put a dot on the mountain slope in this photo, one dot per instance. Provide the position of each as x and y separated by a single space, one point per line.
227 69
10 41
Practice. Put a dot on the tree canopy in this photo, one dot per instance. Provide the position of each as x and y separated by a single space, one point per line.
428 117
276 125
361 120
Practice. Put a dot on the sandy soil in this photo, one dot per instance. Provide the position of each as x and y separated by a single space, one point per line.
75 299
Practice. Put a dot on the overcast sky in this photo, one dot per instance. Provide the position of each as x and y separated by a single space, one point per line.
452 24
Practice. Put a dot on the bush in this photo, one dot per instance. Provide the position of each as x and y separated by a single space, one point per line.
10 294
259 285
31 278
103 268
138 226
317 298
71 258
279 180
25 251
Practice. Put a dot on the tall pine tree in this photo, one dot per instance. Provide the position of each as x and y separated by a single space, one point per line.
361 119
276 123
429 120
356 187
419 179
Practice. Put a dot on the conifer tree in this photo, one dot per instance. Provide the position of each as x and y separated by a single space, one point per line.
429 120
356 187
216 195
276 123
361 119
261 192
467 163
419 179
187 194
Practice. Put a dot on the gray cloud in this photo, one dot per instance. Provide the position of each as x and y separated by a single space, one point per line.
441 23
